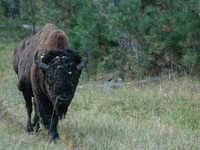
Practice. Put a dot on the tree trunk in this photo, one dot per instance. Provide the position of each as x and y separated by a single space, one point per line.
171 54
116 2
172 70
14 6
199 8
138 63
33 17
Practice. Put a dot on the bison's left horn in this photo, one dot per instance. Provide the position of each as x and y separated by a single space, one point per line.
38 63
84 62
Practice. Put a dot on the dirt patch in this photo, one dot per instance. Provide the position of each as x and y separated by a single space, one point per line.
4 116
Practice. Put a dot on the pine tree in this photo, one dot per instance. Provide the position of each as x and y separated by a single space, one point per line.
159 36
87 30
4 9
126 23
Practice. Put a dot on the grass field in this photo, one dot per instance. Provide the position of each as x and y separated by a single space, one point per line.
155 116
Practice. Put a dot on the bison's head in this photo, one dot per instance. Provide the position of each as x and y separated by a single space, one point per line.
61 70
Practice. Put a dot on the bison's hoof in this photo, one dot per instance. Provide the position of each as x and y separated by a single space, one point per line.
54 137
29 128
37 127
37 124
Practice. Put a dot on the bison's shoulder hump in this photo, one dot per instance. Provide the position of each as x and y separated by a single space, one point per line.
23 44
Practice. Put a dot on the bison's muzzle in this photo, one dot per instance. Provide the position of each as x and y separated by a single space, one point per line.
61 100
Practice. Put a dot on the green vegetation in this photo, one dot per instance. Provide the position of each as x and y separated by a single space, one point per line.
164 34
155 116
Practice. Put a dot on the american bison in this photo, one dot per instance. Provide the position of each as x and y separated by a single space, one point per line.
48 70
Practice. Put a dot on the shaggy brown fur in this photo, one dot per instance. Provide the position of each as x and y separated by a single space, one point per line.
55 84
50 37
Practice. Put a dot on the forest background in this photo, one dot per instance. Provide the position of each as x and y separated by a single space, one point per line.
131 39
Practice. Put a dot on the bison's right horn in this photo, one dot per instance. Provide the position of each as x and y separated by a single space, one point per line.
38 63
84 62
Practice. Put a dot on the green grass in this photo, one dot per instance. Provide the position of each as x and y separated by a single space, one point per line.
154 116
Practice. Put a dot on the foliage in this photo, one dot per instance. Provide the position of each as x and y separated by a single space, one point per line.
165 33
4 10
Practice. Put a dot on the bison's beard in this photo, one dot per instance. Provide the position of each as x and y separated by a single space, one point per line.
61 111
61 107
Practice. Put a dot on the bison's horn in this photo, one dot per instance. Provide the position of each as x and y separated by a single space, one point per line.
84 62
39 63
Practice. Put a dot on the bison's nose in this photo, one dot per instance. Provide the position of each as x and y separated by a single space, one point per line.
61 99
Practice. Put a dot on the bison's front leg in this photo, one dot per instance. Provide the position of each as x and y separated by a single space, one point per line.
36 118
27 98
47 115
53 133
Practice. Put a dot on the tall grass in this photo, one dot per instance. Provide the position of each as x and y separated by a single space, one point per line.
154 116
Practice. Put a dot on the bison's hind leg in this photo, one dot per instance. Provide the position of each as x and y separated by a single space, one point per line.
29 127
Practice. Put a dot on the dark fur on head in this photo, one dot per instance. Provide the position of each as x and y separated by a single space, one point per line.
50 55
62 77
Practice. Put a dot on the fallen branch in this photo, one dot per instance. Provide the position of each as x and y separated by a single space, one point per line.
152 80
108 84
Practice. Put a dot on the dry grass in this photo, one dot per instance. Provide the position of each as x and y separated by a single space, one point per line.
154 116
